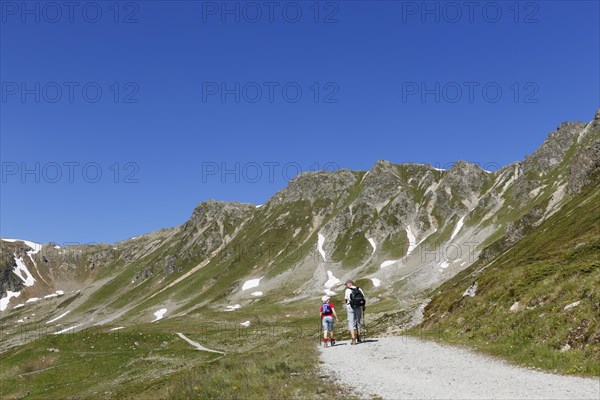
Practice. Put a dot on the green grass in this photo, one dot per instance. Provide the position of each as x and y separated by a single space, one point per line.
555 265
276 357
283 369
395 245
91 363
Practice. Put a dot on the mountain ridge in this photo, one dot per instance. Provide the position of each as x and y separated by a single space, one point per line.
400 229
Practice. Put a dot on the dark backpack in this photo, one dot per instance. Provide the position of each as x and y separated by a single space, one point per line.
357 299
326 309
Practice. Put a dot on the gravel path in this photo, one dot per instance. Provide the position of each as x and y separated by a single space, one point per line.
408 368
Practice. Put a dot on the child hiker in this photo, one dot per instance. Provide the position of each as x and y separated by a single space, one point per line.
327 315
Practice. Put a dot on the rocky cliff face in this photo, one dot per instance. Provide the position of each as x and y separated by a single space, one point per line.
586 163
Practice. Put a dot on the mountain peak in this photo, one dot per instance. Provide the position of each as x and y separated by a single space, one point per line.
319 184
218 209
463 166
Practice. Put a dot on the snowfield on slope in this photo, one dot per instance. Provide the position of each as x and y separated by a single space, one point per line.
331 280
252 283
160 314
458 227
388 263
373 244
407 368
22 272
320 243
412 240
5 300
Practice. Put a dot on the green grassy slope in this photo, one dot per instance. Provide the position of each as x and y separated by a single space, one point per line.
556 264
275 357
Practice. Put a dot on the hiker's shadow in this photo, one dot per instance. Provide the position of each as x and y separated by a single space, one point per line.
370 341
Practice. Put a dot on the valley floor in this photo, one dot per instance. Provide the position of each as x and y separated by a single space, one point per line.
408 368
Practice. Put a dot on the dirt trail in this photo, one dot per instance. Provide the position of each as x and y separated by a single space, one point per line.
408 368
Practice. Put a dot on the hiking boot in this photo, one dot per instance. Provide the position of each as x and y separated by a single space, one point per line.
359 340
333 342
353 342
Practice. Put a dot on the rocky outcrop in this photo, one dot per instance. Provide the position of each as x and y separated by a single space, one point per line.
212 210
551 153
585 165
313 186
586 162
8 280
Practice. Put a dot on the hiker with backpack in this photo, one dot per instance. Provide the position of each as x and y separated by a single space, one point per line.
355 306
327 315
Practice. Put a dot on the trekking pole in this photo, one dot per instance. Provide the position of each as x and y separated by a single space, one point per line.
364 318
320 333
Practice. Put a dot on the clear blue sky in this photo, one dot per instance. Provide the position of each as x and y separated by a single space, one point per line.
367 73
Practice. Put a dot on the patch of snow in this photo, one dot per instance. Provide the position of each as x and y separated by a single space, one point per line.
331 281
57 247
233 307
320 242
376 282
5 300
463 263
59 317
159 314
66 329
412 240
117 328
252 283
22 272
246 324
439 169
458 227
329 292
363 178
60 292
373 244
444 264
19 305
388 263
20 320
32 300
259 206
256 294
51 295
